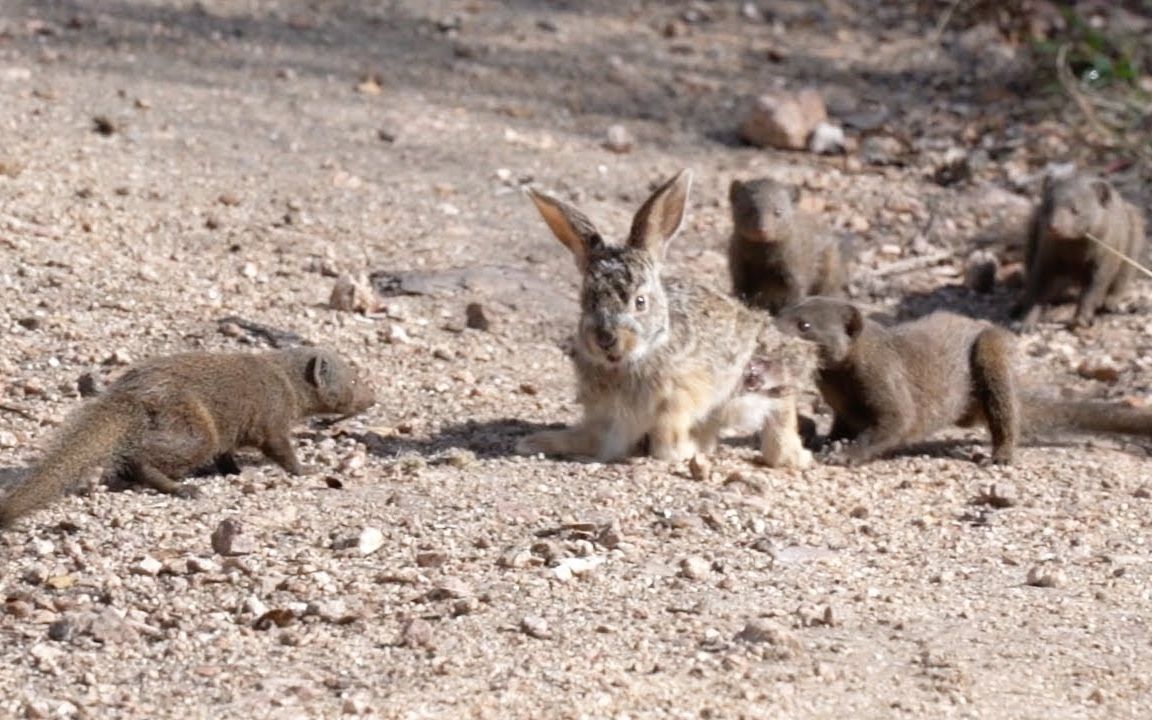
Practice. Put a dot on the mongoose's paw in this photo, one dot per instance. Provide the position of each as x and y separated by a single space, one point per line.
547 442
188 491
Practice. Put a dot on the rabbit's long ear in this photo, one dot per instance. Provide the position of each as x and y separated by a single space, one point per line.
569 225
660 217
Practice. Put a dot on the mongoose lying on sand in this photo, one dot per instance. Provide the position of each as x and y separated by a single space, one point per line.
169 416
1059 254
777 255
892 386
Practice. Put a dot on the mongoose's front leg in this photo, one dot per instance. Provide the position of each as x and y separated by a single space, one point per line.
147 474
279 448
1092 297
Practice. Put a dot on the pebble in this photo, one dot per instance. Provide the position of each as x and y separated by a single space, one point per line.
476 317
148 566
371 539
998 495
227 540
759 630
1042 577
619 140
695 567
353 294
417 634
827 139
700 467
980 270
536 627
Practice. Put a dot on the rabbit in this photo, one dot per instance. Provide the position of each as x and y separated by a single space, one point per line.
665 360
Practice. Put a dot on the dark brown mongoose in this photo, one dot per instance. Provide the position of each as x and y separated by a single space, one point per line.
169 416
1059 254
778 255
892 386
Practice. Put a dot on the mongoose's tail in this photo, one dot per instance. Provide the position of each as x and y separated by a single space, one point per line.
88 438
1041 415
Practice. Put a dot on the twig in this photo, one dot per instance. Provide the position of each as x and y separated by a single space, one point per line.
1119 254
913 263
16 410
944 20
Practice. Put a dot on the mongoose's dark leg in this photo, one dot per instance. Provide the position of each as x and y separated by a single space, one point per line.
147 474
226 464
1092 296
279 449
995 388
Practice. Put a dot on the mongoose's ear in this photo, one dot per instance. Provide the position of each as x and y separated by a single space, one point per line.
853 320
570 226
660 217
1103 192
734 187
318 371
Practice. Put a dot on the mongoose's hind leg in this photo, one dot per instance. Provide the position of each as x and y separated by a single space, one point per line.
995 387
147 474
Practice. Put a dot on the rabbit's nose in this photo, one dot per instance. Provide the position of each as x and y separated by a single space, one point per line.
606 339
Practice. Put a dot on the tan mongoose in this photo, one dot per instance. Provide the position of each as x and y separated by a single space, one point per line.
1059 254
778 255
891 386
169 416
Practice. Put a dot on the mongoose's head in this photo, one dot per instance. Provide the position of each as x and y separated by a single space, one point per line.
831 324
623 307
332 385
763 209
1077 205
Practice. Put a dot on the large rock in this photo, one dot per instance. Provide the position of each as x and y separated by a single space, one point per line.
784 120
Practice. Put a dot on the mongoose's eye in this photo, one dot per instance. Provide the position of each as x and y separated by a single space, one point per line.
803 325
778 212
641 302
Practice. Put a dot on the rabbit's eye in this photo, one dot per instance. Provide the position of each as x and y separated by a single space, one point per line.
803 325
641 302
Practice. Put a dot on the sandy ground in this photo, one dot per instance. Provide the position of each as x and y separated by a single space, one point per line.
167 164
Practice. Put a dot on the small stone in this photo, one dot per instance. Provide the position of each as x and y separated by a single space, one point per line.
104 125
476 317
619 139
417 634
882 150
61 630
227 540
1039 576
980 271
700 467
574 567
450 588
203 565
276 617
517 558
695 568
8 439
89 384
229 199
148 566
431 558
536 627
760 631
998 495
859 512
29 323
1143 492
1100 369
397 335
371 539
353 294
109 628
827 139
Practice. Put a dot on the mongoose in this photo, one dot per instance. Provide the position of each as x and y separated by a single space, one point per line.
891 386
169 416
778 255
1059 254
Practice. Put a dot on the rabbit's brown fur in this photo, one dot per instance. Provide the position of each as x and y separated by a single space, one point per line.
169 416
661 360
